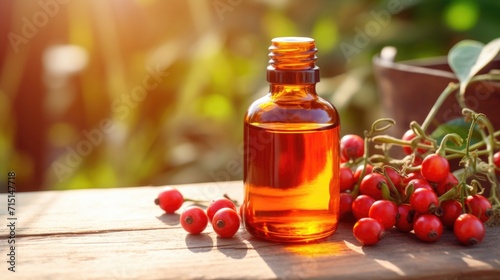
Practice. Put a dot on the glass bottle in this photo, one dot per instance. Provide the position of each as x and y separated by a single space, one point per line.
291 151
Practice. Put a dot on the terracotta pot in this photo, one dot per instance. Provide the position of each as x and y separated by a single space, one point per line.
408 90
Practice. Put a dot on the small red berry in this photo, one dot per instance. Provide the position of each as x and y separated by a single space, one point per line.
479 206
170 200
372 185
361 206
417 160
394 177
359 169
194 219
428 227
346 200
410 135
424 201
368 231
384 211
226 222
217 204
435 168
411 176
346 179
404 219
351 147
446 184
496 161
420 183
469 229
451 209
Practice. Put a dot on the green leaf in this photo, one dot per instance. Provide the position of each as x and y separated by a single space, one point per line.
468 57
487 54
462 58
458 126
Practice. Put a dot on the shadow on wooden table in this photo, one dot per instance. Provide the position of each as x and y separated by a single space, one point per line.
398 255
170 219
193 242
445 258
234 248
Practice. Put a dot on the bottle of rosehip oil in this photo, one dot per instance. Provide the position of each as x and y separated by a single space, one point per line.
291 151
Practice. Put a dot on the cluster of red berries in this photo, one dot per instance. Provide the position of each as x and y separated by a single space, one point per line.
221 213
383 197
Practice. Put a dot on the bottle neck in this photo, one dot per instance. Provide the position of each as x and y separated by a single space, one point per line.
306 76
293 91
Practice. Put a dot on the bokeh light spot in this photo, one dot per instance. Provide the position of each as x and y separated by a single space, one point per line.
325 33
216 106
461 15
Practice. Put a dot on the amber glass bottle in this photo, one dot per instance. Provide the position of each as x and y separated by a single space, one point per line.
291 156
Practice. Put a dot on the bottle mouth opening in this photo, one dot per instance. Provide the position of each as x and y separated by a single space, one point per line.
293 39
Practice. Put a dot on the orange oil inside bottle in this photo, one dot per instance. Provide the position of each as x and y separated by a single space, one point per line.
291 180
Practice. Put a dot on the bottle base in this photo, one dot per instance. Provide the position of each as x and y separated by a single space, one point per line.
262 232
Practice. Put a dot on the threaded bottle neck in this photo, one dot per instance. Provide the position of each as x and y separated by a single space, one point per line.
292 61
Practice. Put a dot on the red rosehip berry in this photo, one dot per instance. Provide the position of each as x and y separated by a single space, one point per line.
469 229
428 227
394 177
435 168
351 147
424 201
368 231
372 185
170 200
420 183
410 135
411 176
346 179
226 222
359 169
447 184
405 217
346 200
385 212
361 206
450 209
496 161
479 206
194 219
217 204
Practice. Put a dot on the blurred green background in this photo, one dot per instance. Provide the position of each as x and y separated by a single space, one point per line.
117 93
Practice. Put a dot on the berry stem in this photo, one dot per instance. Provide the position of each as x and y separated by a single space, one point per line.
232 200
451 136
439 102
378 126
391 186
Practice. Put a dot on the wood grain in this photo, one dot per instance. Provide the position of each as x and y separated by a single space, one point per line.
121 234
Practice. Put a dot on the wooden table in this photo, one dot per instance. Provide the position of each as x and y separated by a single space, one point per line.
121 234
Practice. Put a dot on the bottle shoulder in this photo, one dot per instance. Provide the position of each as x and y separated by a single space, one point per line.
314 110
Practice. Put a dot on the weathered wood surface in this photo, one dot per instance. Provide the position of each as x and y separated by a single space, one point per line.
121 234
